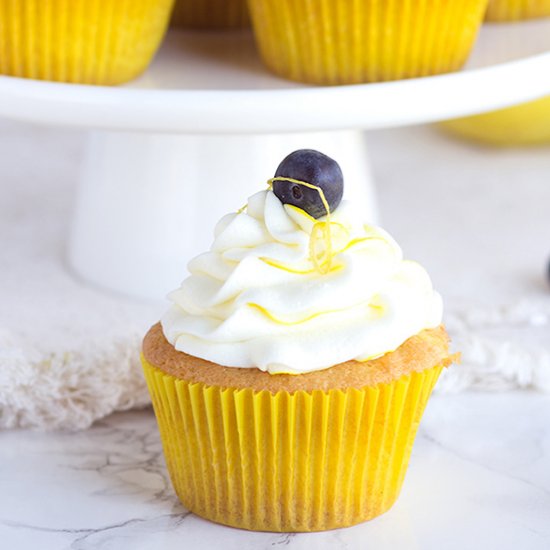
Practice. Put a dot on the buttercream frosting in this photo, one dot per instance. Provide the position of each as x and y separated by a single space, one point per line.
273 294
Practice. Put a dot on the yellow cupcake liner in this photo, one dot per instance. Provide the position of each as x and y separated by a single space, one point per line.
526 124
302 461
516 10
211 14
84 41
339 42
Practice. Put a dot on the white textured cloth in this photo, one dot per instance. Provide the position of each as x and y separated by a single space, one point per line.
501 349
69 353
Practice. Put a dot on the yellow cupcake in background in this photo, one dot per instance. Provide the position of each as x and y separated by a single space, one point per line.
341 42
526 124
210 14
515 10
80 41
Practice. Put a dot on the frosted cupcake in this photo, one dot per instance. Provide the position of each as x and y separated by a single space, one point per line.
100 42
338 42
516 10
211 14
291 372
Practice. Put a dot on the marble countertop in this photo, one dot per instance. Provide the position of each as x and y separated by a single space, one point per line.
479 478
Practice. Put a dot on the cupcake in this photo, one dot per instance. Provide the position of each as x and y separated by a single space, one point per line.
526 124
210 14
516 10
101 42
336 42
291 371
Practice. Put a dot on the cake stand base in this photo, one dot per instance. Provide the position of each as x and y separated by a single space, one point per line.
148 203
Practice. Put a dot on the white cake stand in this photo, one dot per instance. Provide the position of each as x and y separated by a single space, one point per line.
207 125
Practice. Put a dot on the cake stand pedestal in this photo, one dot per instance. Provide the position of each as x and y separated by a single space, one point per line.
148 202
207 125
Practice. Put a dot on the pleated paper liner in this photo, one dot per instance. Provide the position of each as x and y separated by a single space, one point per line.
82 41
337 42
211 14
302 461
516 10
526 124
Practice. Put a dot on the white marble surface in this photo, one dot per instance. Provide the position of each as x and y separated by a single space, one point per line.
479 478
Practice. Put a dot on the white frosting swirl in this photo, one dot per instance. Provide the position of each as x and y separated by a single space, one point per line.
257 300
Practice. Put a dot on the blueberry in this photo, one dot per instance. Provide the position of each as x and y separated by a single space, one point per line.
312 167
